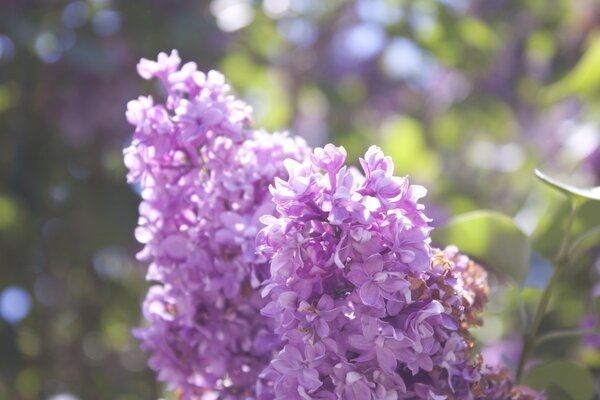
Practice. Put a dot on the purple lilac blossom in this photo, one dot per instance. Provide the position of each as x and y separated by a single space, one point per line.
204 176
364 307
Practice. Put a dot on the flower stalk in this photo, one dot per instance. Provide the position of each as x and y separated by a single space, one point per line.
560 262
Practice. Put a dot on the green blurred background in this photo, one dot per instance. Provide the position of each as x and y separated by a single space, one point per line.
468 96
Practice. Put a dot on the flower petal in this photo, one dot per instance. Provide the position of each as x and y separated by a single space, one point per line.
369 294
386 360
309 379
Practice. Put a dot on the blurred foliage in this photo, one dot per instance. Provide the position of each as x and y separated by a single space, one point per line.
570 380
492 238
468 96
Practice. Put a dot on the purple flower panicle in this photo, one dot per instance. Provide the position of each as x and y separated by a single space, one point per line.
203 175
365 308
281 274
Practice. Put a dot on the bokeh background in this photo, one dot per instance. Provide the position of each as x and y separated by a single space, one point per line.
468 96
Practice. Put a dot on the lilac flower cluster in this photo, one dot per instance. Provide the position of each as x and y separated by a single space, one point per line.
353 304
204 176
364 307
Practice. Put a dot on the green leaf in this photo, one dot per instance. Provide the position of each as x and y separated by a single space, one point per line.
490 237
403 139
549 232
554 392
564 376
531 296
584 78
584 243
579 195
477 34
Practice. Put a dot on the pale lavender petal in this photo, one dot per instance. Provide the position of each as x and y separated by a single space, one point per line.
309 379
369 294
386 360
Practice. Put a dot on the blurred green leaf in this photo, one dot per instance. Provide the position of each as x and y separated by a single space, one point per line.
584 78
447 130
28 382
554 392
531 296
8 212
492 238
9 96
584 243
579 195
550 229
404 140
541 46
477 34
351 89
568 377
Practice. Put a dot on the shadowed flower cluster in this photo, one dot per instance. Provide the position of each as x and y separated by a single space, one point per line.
203 176
364 307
